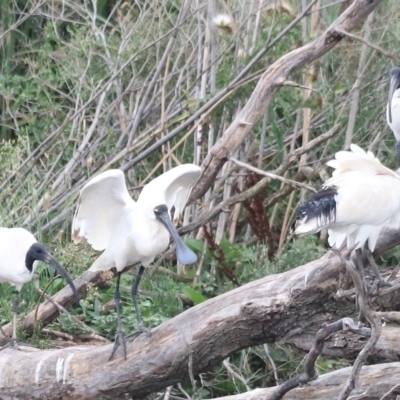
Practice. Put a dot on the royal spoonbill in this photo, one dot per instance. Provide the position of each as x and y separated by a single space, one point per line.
132 232
19 256
360 199
393 108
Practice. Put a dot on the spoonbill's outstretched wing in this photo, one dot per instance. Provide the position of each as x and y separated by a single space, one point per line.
171 188
101 205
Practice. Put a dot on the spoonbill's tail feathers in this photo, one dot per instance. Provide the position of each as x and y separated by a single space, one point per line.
317 213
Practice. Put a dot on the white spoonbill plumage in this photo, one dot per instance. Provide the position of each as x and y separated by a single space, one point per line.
393 108
360 199
132 232
19 256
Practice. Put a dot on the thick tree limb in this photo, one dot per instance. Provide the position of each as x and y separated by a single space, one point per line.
348 344
375 323
375 381
269 84
310 373
274 308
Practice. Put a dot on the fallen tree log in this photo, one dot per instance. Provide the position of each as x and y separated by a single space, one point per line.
375 381
277 307
347 345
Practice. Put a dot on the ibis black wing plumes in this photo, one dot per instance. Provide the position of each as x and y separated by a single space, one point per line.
38 252
316 213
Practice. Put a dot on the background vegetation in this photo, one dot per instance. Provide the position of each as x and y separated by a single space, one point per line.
89 85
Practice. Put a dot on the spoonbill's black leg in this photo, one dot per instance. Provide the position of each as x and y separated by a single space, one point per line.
134 293
120 336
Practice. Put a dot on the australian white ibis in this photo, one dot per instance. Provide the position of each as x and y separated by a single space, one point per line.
360 199
132 232
393 108
19 256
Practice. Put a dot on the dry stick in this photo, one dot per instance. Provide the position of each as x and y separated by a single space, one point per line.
385 396
368 43
235 374
207 216
273 176
272 362
269 84
389 315
223 93
308 81
372 318
346 324
21 20
39 151
62 310
138 117
356 87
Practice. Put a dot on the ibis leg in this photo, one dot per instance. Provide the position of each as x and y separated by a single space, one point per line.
374 267
14 342
15 308
120 336
360 270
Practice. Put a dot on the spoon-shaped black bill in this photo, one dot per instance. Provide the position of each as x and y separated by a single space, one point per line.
38 252
183 253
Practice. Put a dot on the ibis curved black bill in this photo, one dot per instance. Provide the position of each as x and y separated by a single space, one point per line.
38 252
183 253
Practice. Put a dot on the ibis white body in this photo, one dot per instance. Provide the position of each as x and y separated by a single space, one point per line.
361 199
394 124
128 231
393 106
15 243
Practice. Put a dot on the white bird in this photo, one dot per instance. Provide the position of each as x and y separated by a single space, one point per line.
132 232
393 108
360 199
19 256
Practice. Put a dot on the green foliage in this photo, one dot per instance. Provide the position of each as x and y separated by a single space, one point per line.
52 67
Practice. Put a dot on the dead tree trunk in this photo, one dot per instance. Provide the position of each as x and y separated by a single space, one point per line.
375 381
277 307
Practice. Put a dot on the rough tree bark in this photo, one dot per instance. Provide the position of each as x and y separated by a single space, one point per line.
277 307
375 381
268 85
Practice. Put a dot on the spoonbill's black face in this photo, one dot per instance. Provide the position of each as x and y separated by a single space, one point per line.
394 85
38 252
183 253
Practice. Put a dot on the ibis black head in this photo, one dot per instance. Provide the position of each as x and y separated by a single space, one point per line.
39 252
394 85
183 253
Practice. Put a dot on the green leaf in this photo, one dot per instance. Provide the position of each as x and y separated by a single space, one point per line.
195 244
194 295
